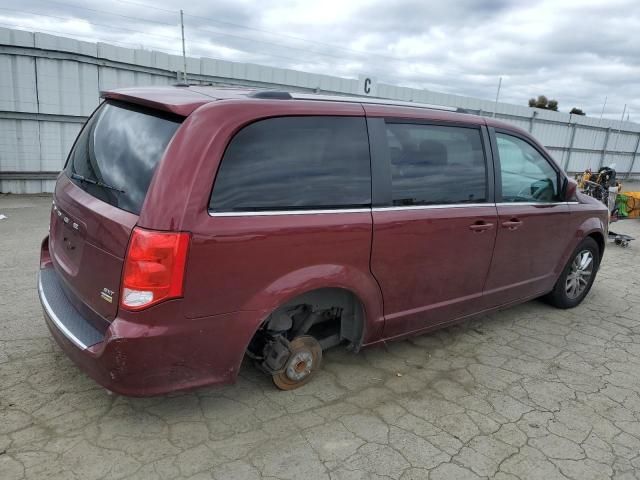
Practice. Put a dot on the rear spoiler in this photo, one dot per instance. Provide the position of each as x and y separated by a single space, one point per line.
179 101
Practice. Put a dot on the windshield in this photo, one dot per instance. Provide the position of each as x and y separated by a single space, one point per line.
117 152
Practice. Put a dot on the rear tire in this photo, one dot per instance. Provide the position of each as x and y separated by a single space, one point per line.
577 277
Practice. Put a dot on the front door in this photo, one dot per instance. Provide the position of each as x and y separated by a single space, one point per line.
434 234
532 222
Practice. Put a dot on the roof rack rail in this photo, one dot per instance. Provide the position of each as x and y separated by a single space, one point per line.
374 101
271 94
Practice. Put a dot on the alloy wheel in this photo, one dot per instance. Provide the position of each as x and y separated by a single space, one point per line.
579 274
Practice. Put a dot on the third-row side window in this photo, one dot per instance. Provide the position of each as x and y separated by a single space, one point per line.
290 163
433 164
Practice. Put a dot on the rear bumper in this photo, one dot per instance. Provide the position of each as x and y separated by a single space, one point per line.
60 312
153 352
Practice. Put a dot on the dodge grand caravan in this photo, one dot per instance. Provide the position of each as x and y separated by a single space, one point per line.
194 226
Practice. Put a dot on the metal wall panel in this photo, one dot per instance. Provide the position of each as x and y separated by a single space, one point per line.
582 160
160 60
623 142
66 87
47 92
63 44
176 64
117 54
47 185
552 135
17 84
56 140
110 78
279 75
523 124
10 186
26 186
558 154
589 138
17 38
621 163
19 145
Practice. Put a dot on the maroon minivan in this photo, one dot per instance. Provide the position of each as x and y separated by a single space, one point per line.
192 226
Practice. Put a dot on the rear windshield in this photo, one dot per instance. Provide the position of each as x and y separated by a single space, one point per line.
117 152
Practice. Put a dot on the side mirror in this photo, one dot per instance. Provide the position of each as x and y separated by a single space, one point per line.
570 189
543 190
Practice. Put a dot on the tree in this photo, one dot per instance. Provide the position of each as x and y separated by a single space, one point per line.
577 111
543 102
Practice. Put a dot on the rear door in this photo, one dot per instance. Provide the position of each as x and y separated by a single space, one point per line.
434 220
533 221
98 198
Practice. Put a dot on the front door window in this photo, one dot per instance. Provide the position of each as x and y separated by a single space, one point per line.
526 175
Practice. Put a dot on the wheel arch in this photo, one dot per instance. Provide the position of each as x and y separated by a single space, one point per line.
600 240
591 226
352 321
324 283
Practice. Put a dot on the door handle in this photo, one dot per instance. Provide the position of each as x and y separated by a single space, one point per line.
481 226
512 224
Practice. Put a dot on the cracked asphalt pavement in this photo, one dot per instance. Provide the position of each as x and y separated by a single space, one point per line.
527 393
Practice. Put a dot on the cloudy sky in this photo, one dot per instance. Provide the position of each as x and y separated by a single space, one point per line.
575 51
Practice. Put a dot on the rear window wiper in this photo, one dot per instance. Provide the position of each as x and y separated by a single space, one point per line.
95 182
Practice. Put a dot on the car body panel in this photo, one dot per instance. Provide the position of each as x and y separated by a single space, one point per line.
525 257
416 113
413 270
261 262
88 242
192 159
532 236
430 265
181 101
588 217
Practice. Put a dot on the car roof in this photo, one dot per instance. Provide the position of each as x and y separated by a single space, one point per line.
182 99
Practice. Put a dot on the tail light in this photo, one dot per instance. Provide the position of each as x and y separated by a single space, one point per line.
154 268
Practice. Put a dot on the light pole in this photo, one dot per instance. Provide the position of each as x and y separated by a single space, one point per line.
495 105
184 55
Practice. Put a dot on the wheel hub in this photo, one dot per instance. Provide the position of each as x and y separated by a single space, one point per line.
305 359
299 366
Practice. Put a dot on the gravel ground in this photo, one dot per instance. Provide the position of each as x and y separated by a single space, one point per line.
527 393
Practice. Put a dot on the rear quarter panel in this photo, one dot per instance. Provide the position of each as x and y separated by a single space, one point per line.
259 263
255 263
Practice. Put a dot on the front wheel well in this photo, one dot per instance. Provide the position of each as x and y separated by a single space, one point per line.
599 238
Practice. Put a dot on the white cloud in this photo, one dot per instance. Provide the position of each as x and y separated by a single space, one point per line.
577 52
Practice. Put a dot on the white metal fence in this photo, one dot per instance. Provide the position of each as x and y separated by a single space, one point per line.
50 84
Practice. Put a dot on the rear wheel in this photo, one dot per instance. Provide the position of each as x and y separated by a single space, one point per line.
304 361
577 277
